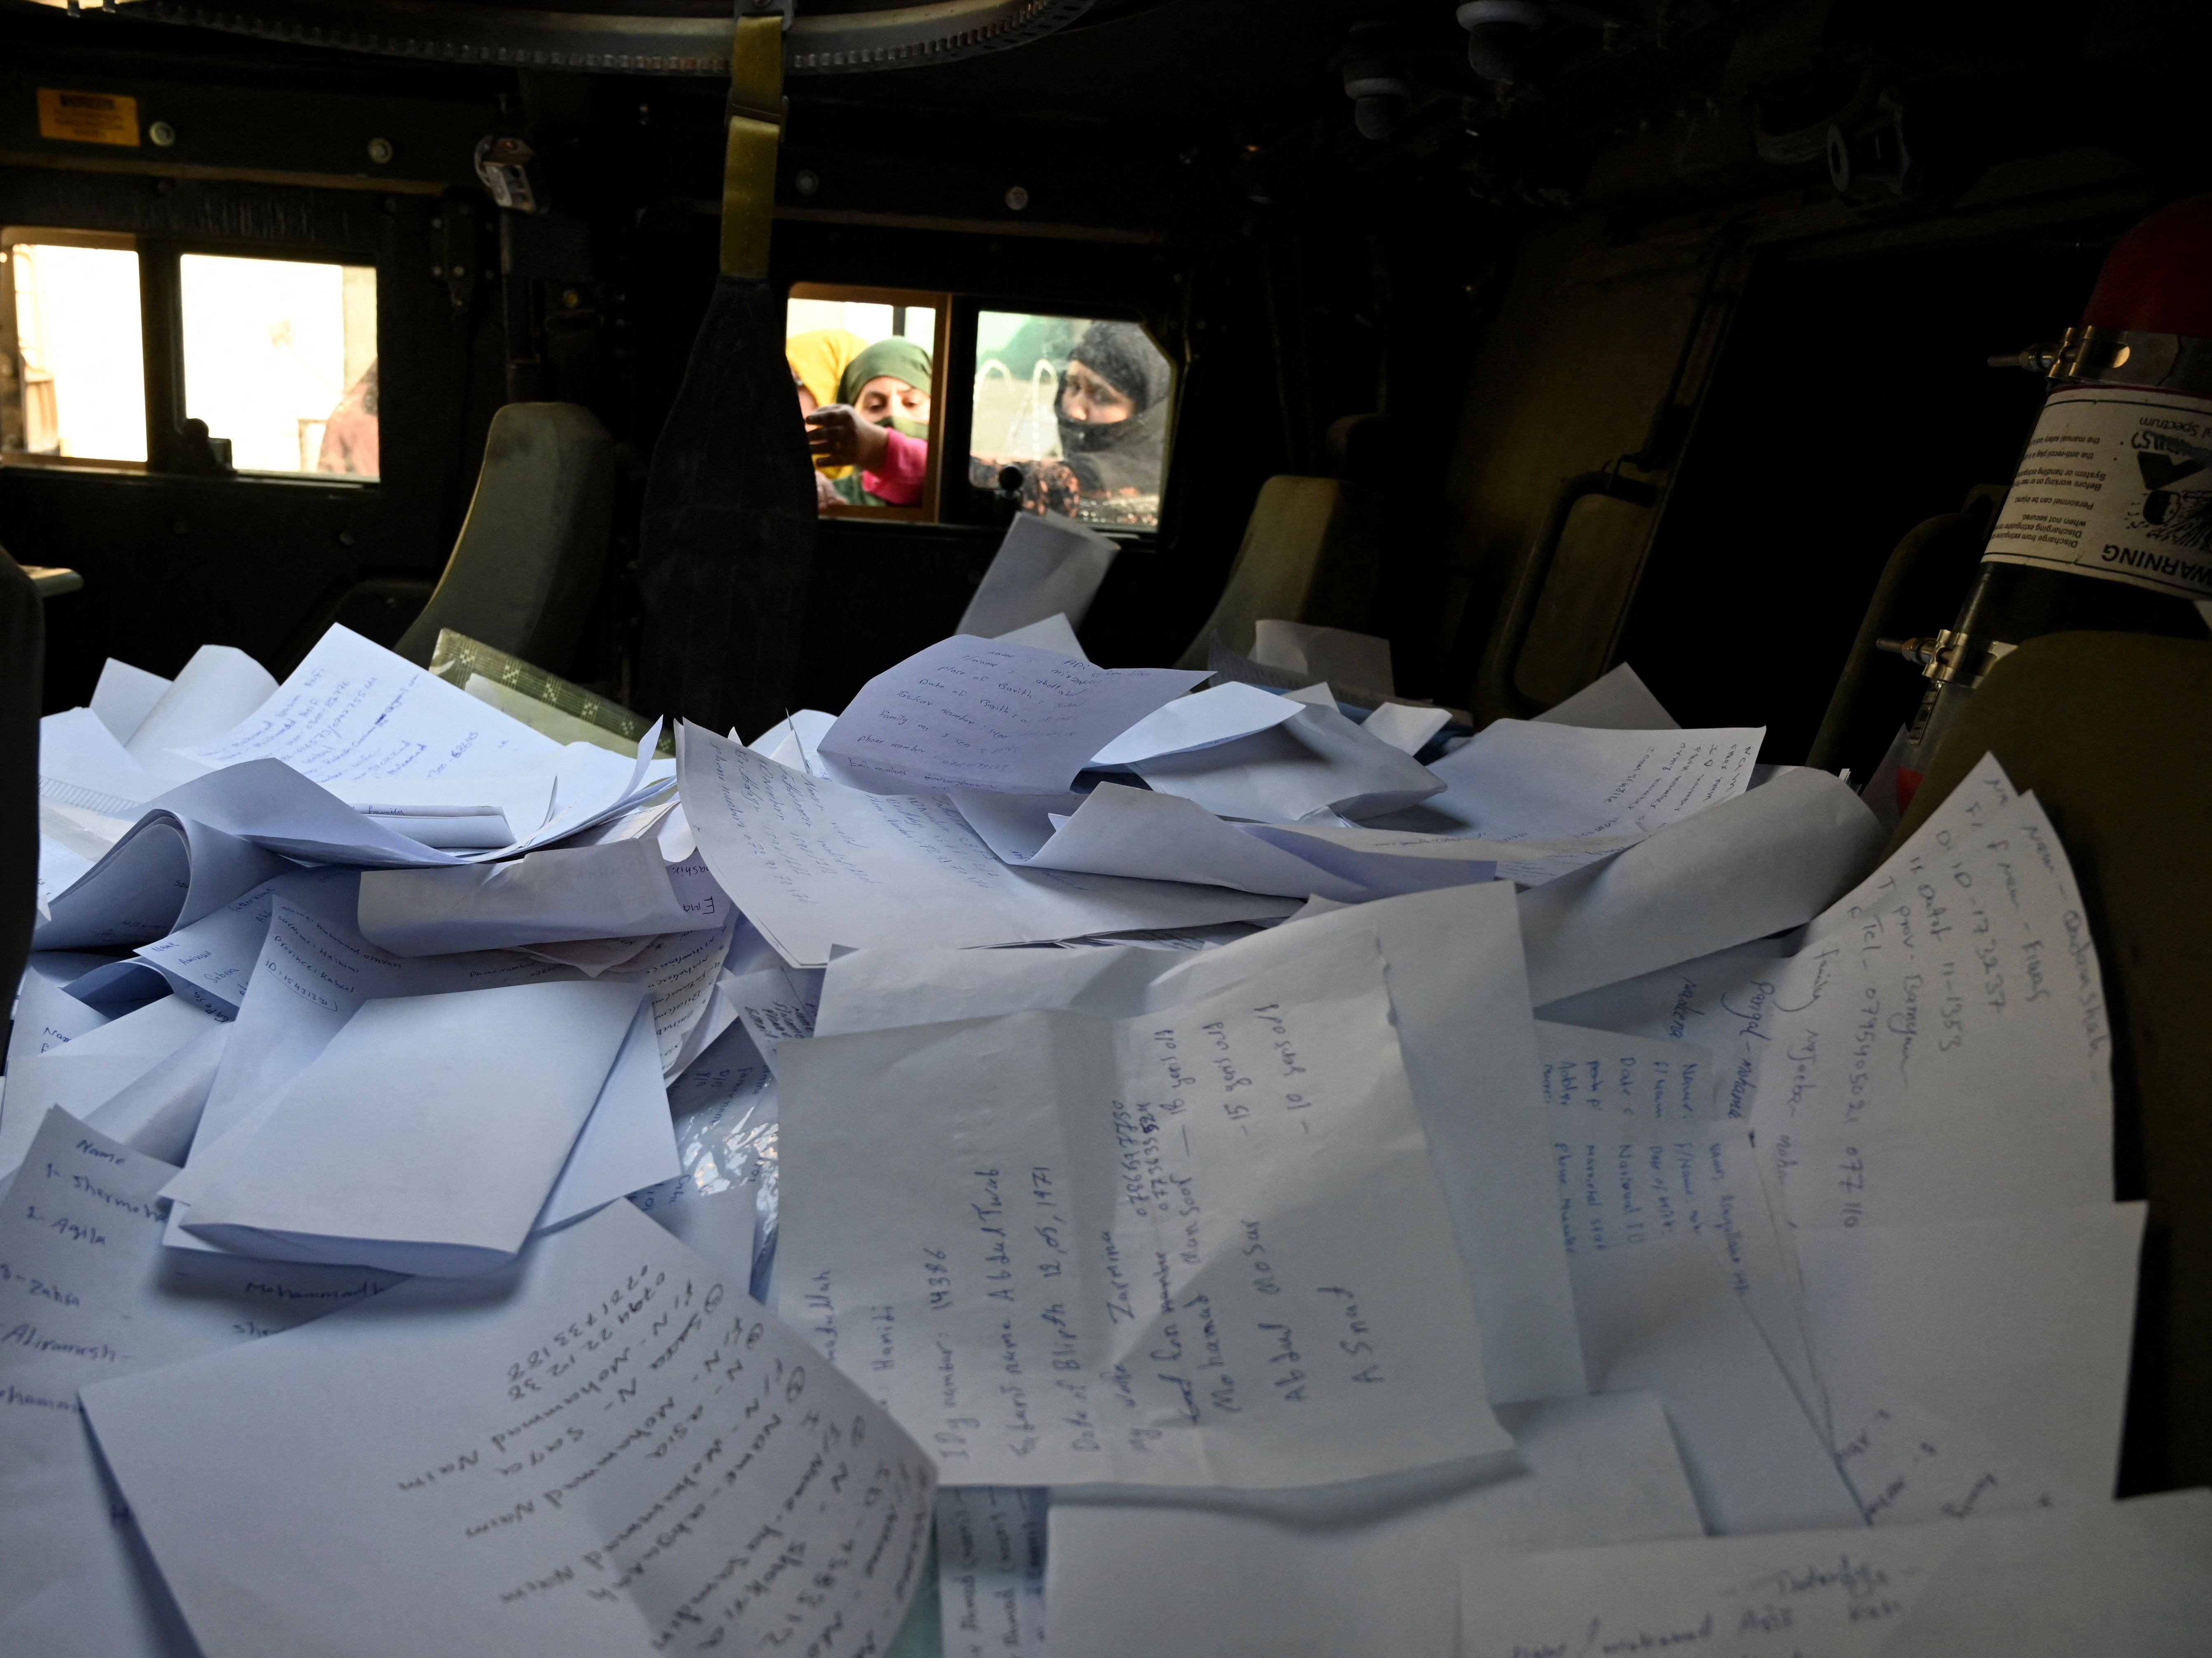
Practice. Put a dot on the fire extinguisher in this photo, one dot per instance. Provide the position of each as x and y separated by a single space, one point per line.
2108 524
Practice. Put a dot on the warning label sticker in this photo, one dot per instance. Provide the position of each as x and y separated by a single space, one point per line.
88 118
2117 482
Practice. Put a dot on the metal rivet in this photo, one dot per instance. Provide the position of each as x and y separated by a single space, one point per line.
805 182
162 134
1018 198
379 150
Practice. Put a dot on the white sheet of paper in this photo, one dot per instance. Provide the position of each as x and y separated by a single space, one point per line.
1405 728
211 960
159 1111
442 1436
1946 1054
1701 1003
2015 1332
218 687
1372 1567
774 1004
1615 701
1169 1249
1221 714
46 1014
353 709
1458 995
1767 860
83 767
628 1143
1664 1318
428 1135
1853 1594
312 973
619 890
990 1570
80 1075
1055 632
88 1293
2119 1577
1647 1079
1317 761
523 799
977 713
167 872
1624 1184
1044 567
1119 830
124 697
1362 660
814 865
1524 780
679 971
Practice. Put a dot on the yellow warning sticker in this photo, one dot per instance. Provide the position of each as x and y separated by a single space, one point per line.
88 118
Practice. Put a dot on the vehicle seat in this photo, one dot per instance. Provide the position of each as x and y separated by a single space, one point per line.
524 572
2110 730
1312 552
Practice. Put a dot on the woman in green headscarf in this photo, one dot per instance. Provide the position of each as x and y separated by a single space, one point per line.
879 424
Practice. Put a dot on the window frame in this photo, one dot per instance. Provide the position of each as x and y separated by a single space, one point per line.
970 309
14 419
161 340
927 510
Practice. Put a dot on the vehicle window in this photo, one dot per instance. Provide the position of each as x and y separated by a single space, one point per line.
864 367
78 356
1081 406
280 358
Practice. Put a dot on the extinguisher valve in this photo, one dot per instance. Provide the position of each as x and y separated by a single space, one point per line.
1947 655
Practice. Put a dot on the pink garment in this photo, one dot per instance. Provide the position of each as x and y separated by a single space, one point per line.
904 464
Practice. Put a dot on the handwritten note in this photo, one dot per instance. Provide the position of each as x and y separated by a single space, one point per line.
1944 1050
814 864
2118 1577
1203 1246
971 713
88 1293
1644 1078
353 709
607 1450
990 1569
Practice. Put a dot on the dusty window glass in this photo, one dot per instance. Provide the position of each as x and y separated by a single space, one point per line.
280 358
78 356
1081 407
863 367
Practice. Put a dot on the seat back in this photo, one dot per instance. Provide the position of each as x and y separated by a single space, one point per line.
1311 553
525 570
2113 732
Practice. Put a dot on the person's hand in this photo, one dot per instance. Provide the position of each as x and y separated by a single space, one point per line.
825 493
838 435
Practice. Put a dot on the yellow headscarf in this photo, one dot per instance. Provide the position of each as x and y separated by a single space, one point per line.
819 357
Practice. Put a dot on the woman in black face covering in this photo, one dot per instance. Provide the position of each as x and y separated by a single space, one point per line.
1113 411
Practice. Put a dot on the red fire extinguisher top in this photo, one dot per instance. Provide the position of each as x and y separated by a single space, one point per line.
2159 279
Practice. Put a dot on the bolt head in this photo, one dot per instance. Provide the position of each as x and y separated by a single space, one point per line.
1018 198
162 134
379 150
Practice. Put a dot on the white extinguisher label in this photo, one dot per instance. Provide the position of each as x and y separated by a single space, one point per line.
2116 483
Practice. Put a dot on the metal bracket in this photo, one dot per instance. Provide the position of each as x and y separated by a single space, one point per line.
1947 657
2119 356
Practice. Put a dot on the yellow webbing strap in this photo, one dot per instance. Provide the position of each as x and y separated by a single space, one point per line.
749 161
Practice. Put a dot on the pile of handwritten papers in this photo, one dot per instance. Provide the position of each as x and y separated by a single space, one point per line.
1050 1159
